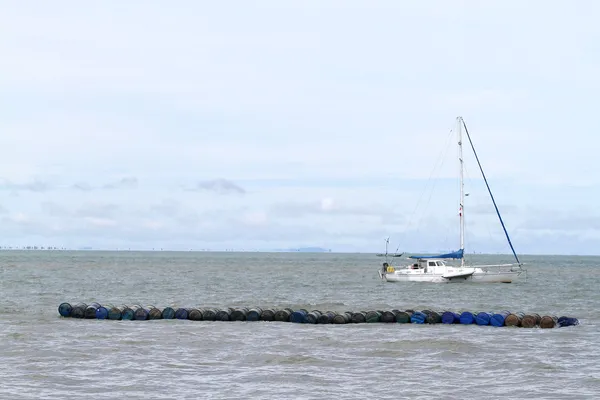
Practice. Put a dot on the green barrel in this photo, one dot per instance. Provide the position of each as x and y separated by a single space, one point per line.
373 316
168 313
403 317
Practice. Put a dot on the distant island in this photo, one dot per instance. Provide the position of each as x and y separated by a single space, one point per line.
307 250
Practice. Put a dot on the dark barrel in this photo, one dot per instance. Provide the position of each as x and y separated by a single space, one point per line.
498 318
327 317
514 319
283 315
181 313
167 313
239 314
299 316
403 317
372 316
90 311
254 314
388 316
102 312
64 309
449 317
195 314
567 321
268 315
483 318
140 313
467 318
127 314
154 313
342 318
530 320
433 318
210 314
359 317
548 321
418 317
224 314
114 313
313 317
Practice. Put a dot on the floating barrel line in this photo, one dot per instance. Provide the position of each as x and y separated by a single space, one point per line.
142 313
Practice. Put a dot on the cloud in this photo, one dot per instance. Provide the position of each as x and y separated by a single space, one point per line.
220 186
3 210
34 186
123 183
83 186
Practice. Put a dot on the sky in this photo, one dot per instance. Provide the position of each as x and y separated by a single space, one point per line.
270 125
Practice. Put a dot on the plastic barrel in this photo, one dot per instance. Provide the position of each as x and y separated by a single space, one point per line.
283 315
342 318
498 318
483 318
548 322
167 313
194 314
373 317
268 315
127 314
359 317
418 317
567 321
254 314
210 314
327 317
140 313
181 313
449 317
530 320
154 313
433 318
313 317
299 316
64 309
467 318
388 316
102 312
514 319
239 314
403 317
78 310
224 314
114 313
90 311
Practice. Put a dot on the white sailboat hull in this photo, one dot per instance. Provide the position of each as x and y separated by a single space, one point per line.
458 275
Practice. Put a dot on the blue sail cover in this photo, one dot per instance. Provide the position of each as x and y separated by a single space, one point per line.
454 254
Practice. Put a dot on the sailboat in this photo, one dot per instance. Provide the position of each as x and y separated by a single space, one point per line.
434 268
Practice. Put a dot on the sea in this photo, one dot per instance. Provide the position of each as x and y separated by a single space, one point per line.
45 356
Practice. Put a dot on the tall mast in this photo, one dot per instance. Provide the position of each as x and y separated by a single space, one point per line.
462 188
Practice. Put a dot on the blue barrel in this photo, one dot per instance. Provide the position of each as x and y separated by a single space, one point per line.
168 313
102 312
499 318
127 314
181 313
418 317
64 309
254 314
299 316
467 318
140 313
567 321
313 317
449 317
483 318
90 310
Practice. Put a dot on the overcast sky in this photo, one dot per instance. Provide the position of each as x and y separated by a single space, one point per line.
273 125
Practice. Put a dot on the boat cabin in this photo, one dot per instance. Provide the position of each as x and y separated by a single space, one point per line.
423 263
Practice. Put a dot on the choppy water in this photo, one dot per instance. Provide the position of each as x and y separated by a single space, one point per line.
46 357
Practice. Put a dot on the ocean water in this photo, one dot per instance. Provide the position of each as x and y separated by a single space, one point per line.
44 356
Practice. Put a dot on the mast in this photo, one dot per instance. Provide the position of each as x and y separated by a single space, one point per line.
462 189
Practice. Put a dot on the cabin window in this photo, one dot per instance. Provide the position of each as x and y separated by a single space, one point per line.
432 263
439 263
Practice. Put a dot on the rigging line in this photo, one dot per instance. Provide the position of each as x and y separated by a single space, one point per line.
435 167
490 191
